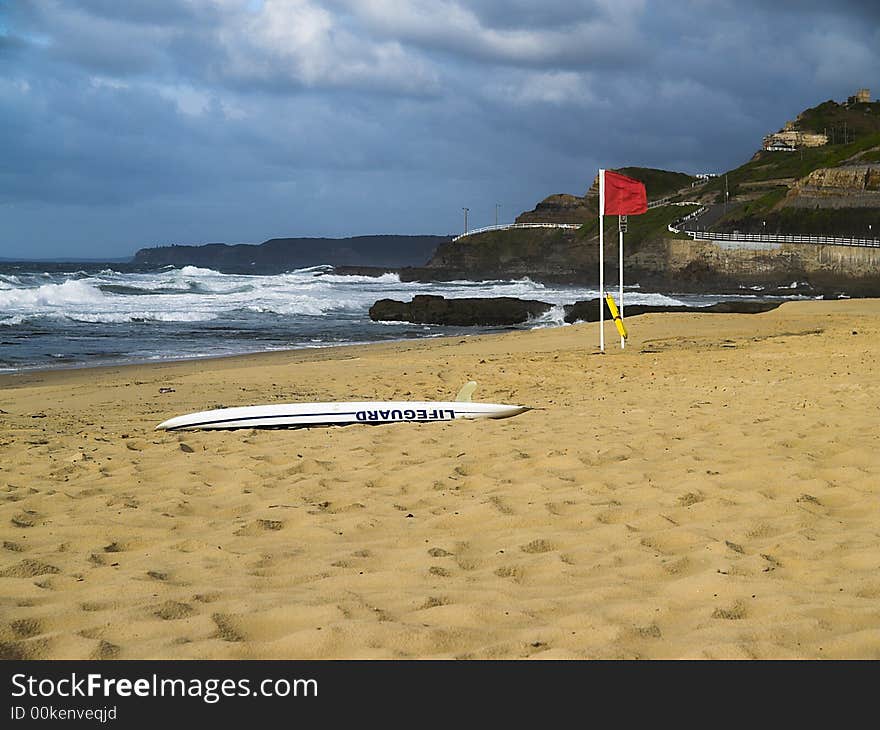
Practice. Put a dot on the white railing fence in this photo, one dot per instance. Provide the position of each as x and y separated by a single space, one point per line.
675 227
508 226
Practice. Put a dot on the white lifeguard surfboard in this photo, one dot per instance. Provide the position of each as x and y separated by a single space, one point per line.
342 413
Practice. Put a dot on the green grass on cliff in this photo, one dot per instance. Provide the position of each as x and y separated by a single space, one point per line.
650 226
658 183
842 222
755 208
781 165
842 123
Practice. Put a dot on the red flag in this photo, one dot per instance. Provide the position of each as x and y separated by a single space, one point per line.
624 195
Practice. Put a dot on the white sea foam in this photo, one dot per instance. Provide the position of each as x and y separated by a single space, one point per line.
554 317
356 279
121 317
303 306
9 281
70 292
197 271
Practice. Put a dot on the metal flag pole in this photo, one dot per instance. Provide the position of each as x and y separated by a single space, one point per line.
621 224
601 261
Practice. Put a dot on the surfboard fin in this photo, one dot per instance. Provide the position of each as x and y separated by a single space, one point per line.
467 390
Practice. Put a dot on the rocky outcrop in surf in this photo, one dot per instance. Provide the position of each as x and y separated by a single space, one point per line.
488 312
503 311
588 310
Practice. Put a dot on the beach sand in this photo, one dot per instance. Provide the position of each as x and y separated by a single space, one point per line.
711 491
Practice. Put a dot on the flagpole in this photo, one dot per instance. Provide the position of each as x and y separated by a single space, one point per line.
601 261
620 292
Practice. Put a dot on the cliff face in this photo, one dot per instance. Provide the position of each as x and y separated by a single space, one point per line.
852 186
284 254
543 254
560 208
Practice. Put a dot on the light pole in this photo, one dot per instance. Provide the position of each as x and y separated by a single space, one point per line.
465 219
497 208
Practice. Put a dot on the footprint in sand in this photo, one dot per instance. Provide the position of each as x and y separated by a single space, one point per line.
106 650
499 504
260 526
559 509
207 597
511 571
227 628
537 546
25 628
26 649
174 610
116 547
686 500
92 606
28 569
28 518
734 612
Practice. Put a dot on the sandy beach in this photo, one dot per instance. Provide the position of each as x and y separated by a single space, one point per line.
711 491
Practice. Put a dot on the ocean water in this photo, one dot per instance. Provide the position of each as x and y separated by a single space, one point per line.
66 316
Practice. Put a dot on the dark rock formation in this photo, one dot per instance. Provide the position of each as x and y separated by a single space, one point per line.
505 311
542 254
560 208
427 309
588 311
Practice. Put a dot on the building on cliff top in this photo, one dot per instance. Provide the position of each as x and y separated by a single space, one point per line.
862 96
791 138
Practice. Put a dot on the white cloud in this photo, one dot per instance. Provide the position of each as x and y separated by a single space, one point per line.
550 87
188 100
300 43
102 82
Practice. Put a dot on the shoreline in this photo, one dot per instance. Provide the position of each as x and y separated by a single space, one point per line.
699 494
175 360
478 330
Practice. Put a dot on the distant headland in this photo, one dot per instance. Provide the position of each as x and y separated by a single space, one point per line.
283 254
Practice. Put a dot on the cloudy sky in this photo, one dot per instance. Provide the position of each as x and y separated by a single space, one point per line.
131 123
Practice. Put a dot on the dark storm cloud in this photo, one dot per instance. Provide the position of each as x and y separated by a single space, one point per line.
10 45
150 12
571 34
863 9
528 14
241 119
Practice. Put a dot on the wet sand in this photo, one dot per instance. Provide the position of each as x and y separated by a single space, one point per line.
711 491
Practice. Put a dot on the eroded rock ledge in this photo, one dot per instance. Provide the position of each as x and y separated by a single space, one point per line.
503 311
431 309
